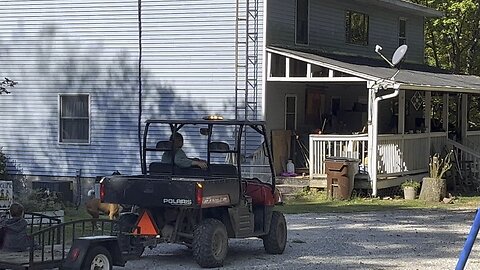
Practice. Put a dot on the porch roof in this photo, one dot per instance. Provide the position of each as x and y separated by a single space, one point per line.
404 5
410 77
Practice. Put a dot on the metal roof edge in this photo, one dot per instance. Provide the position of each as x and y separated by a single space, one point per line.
420 87
426 11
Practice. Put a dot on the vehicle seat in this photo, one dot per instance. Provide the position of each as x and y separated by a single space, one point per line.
160 168
223 170
219 147
164 146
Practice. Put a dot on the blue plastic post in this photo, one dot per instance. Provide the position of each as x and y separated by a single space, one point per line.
469 243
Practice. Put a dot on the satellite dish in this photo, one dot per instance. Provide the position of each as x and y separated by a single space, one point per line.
399 54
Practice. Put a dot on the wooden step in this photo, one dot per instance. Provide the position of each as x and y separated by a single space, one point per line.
290 189
297 180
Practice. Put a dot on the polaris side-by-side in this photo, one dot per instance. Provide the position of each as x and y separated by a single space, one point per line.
234 197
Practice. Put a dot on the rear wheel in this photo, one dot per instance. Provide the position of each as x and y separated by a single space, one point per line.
210 243
133 245
276 239
98 258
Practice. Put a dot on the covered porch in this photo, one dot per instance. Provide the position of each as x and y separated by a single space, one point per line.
359 108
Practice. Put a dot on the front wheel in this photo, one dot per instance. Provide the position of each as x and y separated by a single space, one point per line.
276 239
210 243
98 258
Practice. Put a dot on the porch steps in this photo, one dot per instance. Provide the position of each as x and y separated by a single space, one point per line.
290 186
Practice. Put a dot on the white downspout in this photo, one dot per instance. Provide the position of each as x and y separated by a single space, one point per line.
373 127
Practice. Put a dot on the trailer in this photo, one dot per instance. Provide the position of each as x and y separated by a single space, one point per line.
78 244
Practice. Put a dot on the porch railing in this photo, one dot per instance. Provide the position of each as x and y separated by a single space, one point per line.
471 163
407 153
322 146
473 140
397 154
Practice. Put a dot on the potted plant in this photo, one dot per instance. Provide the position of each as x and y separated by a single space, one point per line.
434 187
410 188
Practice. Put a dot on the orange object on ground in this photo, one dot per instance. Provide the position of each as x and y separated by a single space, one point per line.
146 225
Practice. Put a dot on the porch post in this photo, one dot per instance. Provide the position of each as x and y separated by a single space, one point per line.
401 112
445 113
464 120
372 138
428 111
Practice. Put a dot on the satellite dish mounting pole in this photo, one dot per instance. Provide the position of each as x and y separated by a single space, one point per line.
374 87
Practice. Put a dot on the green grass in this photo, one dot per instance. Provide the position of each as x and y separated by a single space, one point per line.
317 202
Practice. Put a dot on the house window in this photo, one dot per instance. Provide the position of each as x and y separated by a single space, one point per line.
301 35
356 25
290 112
402 32
74 118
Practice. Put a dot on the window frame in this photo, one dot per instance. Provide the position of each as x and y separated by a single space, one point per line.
86 142
402 39
348 28
308 23
295 113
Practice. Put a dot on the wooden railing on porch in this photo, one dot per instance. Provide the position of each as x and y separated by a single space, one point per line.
398 154
473 140
323 146
402 154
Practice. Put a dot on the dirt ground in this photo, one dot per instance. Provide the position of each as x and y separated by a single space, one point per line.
406 239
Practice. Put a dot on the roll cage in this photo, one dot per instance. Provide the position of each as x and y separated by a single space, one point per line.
177 125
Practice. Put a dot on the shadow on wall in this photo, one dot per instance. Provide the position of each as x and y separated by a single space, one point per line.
65 66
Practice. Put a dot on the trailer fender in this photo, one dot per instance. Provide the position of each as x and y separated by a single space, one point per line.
83 245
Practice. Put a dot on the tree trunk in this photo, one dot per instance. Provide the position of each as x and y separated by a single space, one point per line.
433 189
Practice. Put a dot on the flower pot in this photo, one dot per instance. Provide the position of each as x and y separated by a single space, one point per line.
409 193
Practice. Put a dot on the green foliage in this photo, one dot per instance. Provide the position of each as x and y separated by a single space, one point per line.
411 183
452 41
310 195
40 200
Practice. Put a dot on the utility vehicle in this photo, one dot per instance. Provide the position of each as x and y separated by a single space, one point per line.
233 198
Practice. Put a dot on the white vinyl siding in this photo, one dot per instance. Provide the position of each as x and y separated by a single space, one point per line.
54 47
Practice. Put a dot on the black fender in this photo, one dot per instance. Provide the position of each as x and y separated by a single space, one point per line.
82 245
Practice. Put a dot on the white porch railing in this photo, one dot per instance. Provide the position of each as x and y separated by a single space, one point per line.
407 153
397 154
323 146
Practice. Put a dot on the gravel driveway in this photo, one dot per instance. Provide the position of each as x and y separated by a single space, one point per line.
404 239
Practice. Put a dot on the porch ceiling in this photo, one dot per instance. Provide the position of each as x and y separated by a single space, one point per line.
410 77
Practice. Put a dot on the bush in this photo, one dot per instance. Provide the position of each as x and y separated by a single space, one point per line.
3 166
41 200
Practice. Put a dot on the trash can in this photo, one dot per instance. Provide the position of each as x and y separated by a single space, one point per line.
340 176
